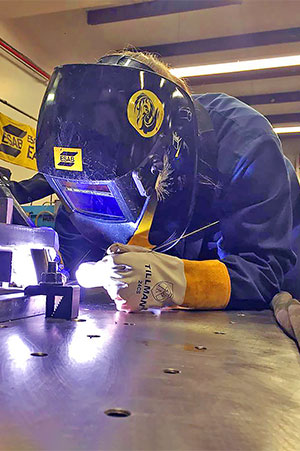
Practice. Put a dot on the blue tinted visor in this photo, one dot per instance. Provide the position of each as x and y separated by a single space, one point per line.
117 200
93 199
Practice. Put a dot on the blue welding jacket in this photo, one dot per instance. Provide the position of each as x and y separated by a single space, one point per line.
245 182
255 194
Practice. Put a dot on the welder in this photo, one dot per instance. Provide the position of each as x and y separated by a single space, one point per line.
179 199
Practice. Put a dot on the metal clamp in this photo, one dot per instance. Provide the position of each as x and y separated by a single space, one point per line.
62 301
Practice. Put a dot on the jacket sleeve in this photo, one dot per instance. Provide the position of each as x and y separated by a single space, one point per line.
256 225
30 190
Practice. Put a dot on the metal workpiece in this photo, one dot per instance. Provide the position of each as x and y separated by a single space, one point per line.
24 249
15 305
25 252
9 206
6 209
116 381
36 238
5 266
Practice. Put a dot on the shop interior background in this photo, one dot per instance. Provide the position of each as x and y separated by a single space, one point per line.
185 33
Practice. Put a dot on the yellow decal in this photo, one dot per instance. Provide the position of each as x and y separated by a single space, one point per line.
68 158
145 112
17 143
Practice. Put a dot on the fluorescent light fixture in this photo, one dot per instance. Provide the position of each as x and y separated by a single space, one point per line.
236 66
281 130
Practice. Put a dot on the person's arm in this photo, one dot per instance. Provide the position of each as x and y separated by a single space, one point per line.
256 225
255 248
30 190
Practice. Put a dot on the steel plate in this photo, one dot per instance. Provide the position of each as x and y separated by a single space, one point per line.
240 393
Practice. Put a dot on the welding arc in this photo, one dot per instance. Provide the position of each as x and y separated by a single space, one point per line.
184 236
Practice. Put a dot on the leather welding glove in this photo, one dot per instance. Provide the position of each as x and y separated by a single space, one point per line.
137 279
287 313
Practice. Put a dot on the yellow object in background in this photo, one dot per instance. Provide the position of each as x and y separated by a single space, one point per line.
17 143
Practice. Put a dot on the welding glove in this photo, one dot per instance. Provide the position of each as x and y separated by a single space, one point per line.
136 279
287 313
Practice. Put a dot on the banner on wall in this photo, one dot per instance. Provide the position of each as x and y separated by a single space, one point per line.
17 143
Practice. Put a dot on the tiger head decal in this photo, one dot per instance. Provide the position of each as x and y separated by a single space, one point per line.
145 113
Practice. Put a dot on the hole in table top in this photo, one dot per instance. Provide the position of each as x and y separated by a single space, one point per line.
201 348
129 324
93 336
39 354
117 413
171 371
220 332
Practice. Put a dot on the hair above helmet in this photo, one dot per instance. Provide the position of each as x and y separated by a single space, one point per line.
144 60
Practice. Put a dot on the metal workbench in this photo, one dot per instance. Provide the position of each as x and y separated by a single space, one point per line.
239 390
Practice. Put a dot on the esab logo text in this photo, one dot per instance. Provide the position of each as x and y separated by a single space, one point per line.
17 143
12 140
68 158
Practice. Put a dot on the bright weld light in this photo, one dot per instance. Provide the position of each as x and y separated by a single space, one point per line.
280 130
87 275
23 270
18 351
81 349
237 66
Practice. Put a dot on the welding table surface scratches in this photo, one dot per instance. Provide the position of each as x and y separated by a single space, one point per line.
240 393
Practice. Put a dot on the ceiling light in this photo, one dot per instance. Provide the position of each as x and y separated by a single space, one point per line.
280 130
236 66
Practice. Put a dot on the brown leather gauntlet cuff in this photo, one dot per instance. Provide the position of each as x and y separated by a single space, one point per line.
208 284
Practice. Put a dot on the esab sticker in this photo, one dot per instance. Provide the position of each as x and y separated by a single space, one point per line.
68 158
145 112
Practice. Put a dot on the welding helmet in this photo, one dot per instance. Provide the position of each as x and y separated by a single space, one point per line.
118 143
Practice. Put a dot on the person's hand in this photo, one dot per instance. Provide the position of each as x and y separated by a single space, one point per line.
140 278
136 278
287 313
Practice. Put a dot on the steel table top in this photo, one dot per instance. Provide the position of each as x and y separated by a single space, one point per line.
240 393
